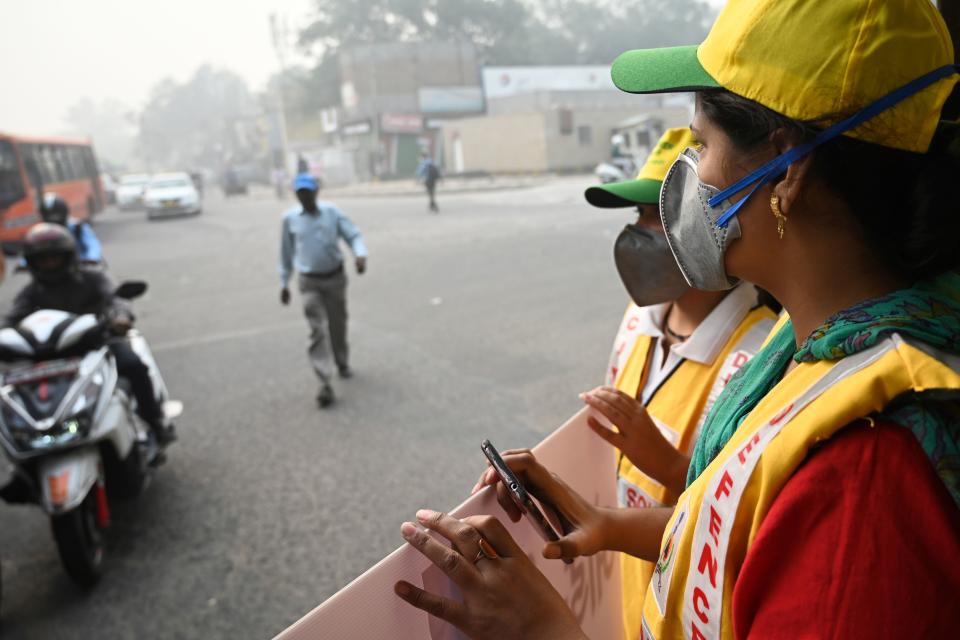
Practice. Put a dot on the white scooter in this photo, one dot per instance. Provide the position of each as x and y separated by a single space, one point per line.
616 170
69 425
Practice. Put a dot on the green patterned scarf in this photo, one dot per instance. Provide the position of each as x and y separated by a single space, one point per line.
928 312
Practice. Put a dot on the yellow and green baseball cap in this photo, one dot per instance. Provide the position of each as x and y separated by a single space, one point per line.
645 189
813 61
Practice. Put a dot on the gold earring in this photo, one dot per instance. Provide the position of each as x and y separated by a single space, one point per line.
781 219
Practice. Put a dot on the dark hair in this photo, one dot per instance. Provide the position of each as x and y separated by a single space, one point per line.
904 201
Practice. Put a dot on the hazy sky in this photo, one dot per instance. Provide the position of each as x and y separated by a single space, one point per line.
55 52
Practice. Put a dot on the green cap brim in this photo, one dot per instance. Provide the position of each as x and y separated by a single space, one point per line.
661 71
628 193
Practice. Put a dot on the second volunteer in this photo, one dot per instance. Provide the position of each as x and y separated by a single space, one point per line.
674 352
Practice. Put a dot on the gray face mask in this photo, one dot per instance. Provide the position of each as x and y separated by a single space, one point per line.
698 245
646 266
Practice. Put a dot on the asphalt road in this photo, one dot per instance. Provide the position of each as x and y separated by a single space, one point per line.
483 321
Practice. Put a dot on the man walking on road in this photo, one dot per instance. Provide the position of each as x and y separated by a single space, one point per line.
429 173
309 244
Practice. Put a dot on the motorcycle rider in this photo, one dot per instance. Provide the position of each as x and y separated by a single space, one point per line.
50 251
55 210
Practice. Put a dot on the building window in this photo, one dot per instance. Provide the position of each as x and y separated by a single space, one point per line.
566 122
584 136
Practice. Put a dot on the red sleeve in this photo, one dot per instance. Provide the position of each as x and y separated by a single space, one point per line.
863 541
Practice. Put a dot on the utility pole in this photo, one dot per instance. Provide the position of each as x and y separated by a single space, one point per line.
280 37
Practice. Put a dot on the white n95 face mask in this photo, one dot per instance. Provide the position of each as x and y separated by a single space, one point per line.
698 244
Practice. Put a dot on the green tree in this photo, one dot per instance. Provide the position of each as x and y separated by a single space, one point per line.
211 119
109 123
495 27
513 31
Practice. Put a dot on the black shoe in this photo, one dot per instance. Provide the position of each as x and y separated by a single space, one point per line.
346 372
325 398
165 435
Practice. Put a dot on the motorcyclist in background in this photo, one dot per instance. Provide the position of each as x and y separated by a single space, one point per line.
56 211
51 254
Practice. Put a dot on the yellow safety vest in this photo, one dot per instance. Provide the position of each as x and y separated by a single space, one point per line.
718 516
677 408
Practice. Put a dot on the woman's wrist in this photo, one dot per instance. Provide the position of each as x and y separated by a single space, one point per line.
676 478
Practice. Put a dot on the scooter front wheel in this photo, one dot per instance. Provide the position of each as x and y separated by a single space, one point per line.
80 542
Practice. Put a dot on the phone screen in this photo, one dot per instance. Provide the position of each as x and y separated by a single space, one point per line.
520 496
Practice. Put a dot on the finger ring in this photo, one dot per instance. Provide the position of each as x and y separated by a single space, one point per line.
486 551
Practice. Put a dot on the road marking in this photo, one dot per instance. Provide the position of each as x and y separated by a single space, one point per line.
223 336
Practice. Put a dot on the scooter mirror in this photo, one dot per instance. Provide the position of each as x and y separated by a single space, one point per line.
131 289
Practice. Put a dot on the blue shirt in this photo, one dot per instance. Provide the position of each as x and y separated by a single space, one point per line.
88 245
309 242
423 170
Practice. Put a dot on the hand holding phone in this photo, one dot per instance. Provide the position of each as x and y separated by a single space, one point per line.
520 496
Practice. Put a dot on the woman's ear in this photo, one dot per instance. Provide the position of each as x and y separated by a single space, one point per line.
790 187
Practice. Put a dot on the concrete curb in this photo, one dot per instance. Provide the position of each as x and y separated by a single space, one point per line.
404 188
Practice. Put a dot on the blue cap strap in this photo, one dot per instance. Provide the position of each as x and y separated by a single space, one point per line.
778 165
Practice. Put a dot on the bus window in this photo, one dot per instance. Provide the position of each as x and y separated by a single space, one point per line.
48 169
11 183
63 163
75 154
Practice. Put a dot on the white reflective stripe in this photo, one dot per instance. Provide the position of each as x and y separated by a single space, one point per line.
623 344
669 433
665 564
645 633
630 495
742 353
703 596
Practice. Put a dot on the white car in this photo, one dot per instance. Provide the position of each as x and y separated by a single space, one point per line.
130 190
171 194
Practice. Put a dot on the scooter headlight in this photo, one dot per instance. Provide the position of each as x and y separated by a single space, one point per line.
29 435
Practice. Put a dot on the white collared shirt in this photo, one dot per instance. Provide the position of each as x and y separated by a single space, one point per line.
704 344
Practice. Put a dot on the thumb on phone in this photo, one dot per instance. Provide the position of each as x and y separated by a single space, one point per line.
570 546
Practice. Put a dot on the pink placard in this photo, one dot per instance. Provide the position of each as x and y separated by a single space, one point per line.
368 609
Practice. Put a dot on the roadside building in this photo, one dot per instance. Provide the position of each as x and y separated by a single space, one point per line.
555 119
393 99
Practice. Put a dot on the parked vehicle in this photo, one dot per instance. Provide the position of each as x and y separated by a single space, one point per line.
171 194
616 170
130 191
233 183
69 425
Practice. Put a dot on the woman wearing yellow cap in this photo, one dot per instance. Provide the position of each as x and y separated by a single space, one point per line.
676 349
822 496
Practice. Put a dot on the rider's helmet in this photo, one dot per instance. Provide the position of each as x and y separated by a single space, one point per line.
50 252
54 209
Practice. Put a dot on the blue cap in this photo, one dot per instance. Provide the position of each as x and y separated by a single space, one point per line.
305 181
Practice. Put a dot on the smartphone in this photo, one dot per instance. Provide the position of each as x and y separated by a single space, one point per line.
520 496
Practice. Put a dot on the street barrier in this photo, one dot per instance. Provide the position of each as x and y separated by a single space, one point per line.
367 608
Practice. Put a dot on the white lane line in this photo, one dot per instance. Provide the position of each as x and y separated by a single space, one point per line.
224 336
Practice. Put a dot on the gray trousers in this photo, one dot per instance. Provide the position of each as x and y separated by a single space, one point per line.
325 306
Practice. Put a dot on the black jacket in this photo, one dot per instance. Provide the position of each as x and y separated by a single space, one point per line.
82 292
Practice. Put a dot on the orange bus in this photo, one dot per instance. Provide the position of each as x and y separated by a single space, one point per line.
30 167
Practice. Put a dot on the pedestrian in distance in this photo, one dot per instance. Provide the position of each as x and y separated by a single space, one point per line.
309 245
429 174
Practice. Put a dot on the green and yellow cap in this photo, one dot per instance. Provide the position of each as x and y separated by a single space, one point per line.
645 189
813 61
